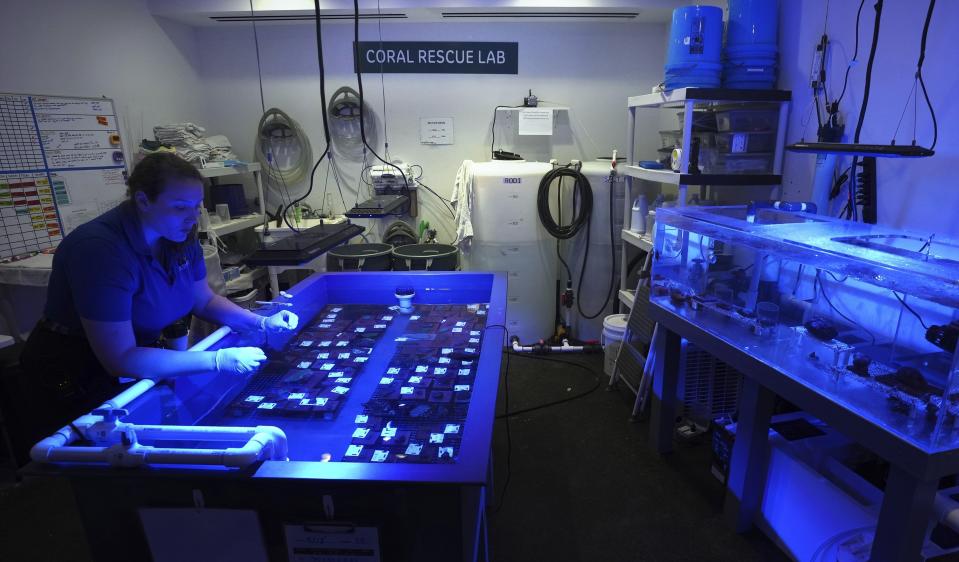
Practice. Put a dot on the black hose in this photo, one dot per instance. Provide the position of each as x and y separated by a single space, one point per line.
583 193
612 267
581 189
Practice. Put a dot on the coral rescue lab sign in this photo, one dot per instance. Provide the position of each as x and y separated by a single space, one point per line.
428 57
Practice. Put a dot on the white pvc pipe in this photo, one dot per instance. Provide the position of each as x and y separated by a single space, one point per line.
823 181
275 435
565 348
261 439
129 395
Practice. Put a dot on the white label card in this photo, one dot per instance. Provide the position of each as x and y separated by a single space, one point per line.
332 543
535 121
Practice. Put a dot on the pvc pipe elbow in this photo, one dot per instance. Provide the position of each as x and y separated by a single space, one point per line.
41 451
278 439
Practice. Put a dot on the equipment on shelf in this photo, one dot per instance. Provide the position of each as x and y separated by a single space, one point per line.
387 180
380 206
858 149
305 246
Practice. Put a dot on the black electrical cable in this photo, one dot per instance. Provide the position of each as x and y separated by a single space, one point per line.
326 126
359 84
443 200
922 83
909 308
822 287
596 385
492 142
853 195
855 56
869 64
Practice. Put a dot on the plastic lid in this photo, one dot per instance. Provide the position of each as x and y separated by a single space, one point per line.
615 322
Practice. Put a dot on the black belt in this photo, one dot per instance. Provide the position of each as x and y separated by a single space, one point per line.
58 328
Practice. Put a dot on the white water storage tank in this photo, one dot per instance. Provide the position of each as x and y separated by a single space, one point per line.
597 276
508 236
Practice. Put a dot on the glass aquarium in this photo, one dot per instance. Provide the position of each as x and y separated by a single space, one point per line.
864 315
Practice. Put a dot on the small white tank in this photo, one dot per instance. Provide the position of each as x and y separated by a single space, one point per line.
508 236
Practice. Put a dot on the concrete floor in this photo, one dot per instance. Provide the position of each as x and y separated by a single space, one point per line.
583 487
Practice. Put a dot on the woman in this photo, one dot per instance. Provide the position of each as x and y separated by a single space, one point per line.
118 281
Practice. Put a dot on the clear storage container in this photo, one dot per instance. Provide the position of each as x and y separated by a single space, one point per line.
745 142
745 163
703 121
747 120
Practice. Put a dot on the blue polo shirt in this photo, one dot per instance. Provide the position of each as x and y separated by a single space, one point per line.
105 271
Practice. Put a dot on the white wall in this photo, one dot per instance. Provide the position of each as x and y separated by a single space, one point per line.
913 194
113 48
591 68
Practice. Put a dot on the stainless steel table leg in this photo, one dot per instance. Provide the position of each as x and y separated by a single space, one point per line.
750 456
665 387
904 517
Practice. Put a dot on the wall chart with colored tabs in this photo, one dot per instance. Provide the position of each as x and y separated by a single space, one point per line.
61 164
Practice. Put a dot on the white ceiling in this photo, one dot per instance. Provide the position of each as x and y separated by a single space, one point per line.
237 12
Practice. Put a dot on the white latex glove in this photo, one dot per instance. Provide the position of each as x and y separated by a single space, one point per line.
281 321
238 360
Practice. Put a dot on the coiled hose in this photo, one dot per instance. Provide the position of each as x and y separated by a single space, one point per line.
278 133
583 193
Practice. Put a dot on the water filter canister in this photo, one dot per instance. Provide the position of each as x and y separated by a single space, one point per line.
637 222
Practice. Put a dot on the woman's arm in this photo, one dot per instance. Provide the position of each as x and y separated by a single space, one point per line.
115 346
220 310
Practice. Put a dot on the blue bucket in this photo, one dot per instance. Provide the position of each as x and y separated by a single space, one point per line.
757 50
752 22
696 35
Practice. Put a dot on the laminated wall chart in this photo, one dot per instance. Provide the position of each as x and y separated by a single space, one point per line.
61 164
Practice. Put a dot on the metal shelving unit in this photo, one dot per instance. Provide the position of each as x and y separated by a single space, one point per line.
239 223
688 99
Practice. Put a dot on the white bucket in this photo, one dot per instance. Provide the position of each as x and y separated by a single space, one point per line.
614 329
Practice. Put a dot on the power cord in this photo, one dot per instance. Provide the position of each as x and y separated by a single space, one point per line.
855 58
359 84
326 125
492 142
822 288
596 385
